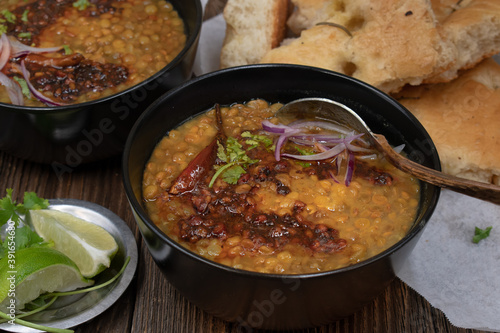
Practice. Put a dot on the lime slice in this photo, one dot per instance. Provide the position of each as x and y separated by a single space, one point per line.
34 271
90 246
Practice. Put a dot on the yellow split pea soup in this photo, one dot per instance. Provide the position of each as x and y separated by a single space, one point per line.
291 211
101 47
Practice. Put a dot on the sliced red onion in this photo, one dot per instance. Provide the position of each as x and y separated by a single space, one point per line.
330 146
19 49
350 168
321 124
339 163
13 89
280 142
277 129
5 49
333 176
35 92
310 139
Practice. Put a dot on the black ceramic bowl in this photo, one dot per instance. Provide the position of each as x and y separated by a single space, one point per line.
256 300
69 136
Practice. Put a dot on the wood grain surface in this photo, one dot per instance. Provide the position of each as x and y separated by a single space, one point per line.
151 304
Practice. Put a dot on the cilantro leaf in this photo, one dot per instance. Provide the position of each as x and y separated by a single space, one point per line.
32 201
24 35
8 209
12 213
67 49
24 87
9 16
236 160
81 4
24 16
25 237
232 174
253 140
480 234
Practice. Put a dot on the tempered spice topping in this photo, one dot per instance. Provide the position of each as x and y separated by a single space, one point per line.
67 83
224 213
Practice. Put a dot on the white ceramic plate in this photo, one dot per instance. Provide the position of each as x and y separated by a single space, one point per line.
70 311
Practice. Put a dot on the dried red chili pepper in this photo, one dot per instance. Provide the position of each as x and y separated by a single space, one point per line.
201 164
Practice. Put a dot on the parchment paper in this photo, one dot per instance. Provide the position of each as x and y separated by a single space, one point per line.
460 278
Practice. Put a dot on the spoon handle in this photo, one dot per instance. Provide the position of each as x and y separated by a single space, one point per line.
483 191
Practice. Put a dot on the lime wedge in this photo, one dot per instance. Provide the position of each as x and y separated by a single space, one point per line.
35 271
90 246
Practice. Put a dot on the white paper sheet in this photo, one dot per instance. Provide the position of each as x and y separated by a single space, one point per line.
460 278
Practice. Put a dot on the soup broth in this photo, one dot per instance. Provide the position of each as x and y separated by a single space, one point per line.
108 46
286 216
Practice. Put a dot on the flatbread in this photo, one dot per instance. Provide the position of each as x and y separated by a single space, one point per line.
463 119
386 43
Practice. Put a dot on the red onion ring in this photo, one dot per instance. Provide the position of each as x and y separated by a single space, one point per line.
5 50
350 168
294 132
19 49
13 90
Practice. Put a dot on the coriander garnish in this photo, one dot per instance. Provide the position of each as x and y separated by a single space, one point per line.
81 4
480 234
24 35
67 50
24 16
9 16
236 160
24 86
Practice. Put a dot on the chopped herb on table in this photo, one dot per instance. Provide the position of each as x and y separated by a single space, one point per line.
480 234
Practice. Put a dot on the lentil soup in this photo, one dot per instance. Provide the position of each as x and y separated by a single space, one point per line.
253 208
101 47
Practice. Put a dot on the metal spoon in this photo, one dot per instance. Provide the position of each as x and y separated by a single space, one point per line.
325 109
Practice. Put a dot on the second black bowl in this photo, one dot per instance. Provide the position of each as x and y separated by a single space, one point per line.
68 136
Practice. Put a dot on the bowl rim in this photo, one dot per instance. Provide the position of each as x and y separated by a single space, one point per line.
141 213
193 37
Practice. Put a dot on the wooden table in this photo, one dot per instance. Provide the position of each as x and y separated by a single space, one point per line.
151 304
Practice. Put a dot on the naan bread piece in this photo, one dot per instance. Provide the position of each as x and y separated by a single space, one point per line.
315 46
393 43
308 12
472 27
463 119
252 29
